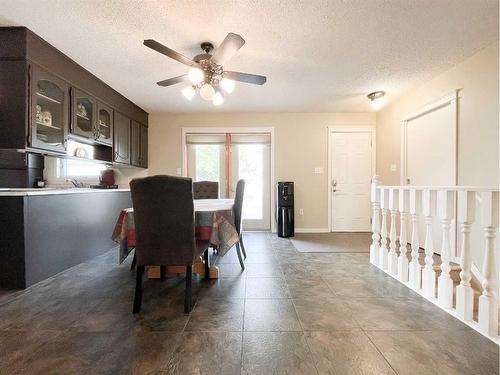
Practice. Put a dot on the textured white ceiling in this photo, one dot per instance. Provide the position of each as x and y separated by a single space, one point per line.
319 56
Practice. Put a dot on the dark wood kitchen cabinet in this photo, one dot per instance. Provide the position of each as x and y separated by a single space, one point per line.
144 147
84 113
104 126
139 142
135 149
47 98
49 111
121 139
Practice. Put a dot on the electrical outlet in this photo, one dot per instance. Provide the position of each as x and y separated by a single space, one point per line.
179 171
394 167
301 211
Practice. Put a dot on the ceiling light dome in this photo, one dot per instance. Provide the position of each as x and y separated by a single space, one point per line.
377 99
188 92
207 91
227 85
196 75
218 98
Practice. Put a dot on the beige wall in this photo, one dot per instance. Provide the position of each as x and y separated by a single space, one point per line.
477 79
300 146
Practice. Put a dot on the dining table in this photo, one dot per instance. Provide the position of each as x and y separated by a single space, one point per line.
214 222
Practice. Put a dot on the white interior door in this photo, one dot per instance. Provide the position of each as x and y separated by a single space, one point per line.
351 171
431 159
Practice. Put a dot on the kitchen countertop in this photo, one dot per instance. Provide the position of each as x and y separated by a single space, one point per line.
16 192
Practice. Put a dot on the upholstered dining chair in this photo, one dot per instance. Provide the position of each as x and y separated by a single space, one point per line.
164 224
237 211
206 190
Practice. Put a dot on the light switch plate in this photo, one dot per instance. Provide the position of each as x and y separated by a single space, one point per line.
318 170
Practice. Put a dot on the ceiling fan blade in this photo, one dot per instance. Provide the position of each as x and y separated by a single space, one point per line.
158 47
173 81
229 46
254 79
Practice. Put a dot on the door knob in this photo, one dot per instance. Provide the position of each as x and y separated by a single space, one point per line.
334 185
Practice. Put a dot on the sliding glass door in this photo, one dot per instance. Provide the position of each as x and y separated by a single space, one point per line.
229 157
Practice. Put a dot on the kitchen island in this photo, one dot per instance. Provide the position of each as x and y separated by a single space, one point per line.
46 231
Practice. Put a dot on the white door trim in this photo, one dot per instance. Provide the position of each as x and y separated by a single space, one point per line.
450 99
246 130
347 129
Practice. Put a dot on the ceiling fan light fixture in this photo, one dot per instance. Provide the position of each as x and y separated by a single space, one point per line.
207 91
377 99
196 75
227 85
188 92
218 99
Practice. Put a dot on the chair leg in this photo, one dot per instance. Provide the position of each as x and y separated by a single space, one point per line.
134 262
240 258
207 265
243 247
138 290
189 290
163 271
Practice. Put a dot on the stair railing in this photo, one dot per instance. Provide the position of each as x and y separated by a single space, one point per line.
443 204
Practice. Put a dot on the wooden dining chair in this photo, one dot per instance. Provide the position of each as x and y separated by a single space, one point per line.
165 229
206 190
237 211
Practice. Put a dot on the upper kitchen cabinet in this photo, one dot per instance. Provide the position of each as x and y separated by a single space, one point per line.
49 111
104 125
84 110
139 145
135 149
144 147
121 139
47 97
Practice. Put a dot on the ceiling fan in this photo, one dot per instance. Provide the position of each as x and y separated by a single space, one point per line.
207 73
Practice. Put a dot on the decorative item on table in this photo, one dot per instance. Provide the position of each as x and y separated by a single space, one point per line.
47 118
40 183
38 115
107 178
81 110
102 123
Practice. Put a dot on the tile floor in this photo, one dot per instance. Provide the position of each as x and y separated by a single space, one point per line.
287 313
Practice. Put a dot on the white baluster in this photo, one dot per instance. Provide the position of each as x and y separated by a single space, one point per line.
392 266
465 215
403 235
375 199
488 301
446 205
383 256
415 269
428 273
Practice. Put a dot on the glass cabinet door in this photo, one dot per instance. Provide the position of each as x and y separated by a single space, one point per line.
104 126
84 109
49 98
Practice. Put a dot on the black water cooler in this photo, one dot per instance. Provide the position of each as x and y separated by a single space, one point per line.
284 209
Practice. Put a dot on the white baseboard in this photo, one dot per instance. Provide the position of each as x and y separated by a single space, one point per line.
312 230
